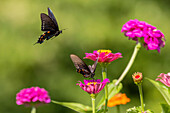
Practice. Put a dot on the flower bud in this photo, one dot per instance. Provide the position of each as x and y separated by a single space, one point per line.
137 77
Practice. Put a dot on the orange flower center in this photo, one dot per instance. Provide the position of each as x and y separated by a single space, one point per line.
104 51
92 83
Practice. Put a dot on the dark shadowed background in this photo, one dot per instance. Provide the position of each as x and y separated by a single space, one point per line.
92 25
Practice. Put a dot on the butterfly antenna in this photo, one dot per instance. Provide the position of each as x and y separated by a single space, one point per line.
64 29
97 59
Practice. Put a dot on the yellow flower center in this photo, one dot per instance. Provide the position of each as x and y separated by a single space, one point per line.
92 83
104 51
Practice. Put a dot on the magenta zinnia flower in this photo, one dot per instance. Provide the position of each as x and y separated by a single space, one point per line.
32 95
164 78
105 56
147 34
93 86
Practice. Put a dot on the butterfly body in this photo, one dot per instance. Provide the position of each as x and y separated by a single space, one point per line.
82 68
49 25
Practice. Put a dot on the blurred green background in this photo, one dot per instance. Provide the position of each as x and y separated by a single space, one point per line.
92 25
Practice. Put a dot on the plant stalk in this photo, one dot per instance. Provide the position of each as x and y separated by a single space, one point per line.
104 74
93 103
141 96
33 110
136 49
118 108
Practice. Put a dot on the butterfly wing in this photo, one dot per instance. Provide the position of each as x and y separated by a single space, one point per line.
81 67
51 15
93 67
47 35
47 23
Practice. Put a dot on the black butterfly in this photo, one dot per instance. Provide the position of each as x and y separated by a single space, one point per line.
48 24
82 68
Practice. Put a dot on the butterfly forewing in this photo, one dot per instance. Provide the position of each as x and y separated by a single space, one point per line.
51 15
82 68
47 23
78 63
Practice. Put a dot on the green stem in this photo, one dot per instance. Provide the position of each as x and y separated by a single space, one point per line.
93 103
137 47
118 108
141 96
33 110
104 74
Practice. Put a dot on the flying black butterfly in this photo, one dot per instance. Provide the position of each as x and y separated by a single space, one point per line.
48 24
82 68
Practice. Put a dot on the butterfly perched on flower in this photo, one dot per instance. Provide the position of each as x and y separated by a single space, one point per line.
82 68
48 24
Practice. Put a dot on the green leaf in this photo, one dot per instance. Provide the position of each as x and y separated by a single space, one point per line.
165 108
112 90
75 106
100 111
163 90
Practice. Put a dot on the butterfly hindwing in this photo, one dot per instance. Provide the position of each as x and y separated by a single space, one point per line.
47 35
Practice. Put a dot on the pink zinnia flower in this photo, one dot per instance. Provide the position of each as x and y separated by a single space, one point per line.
32 95
147 34
164 78
105 56
93 86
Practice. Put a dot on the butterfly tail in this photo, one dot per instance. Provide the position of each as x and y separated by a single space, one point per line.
35 43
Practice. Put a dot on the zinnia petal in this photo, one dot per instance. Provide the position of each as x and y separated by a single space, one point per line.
93 86
164 78
104 56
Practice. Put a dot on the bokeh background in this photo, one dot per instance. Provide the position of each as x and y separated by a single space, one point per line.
92 25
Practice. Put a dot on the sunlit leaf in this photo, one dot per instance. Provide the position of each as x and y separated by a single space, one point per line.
75 106
112 90
165 108
163 90
100 111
